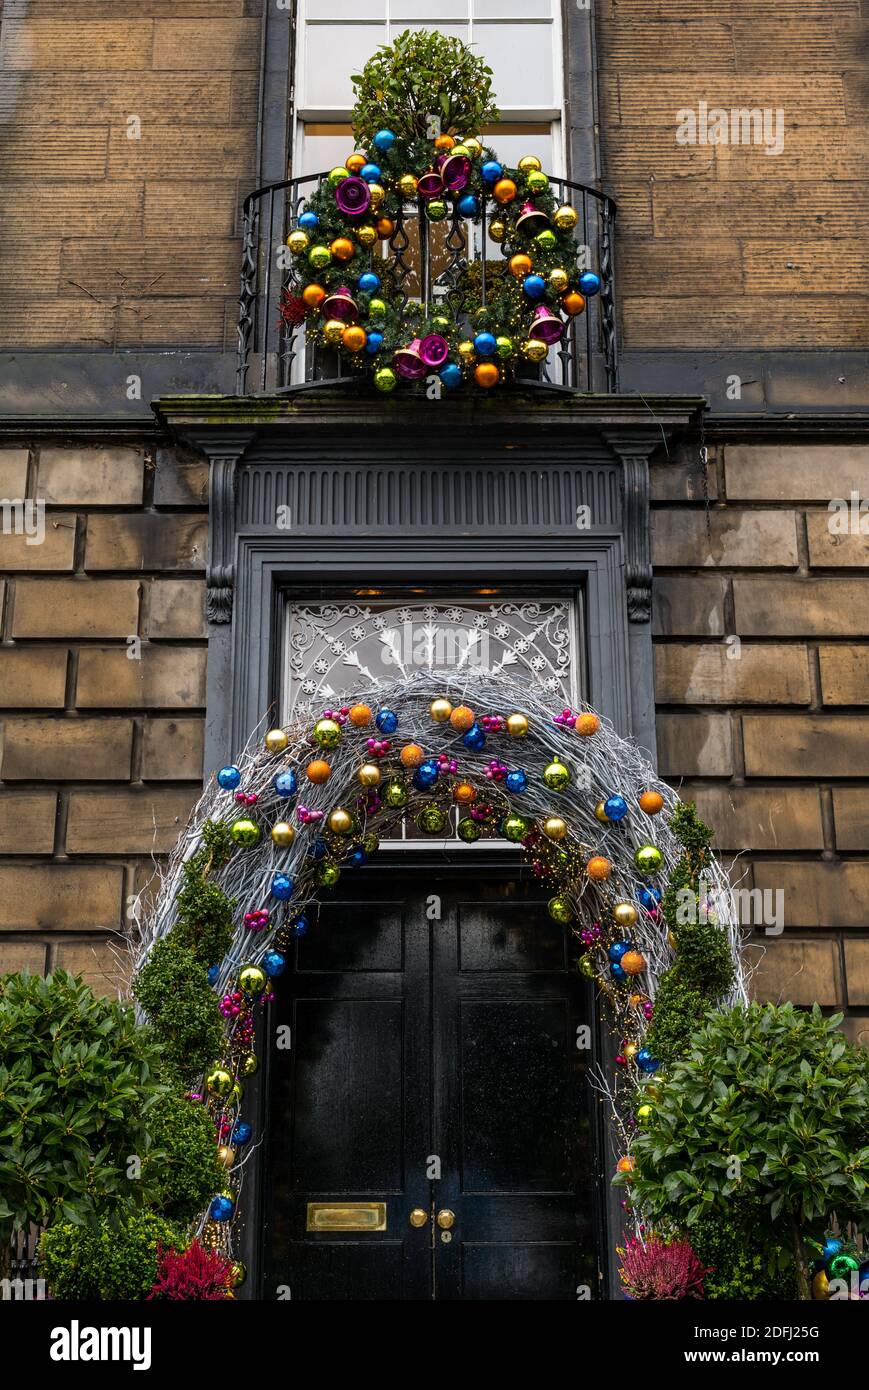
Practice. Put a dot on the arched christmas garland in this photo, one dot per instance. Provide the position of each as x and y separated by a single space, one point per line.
348 295
305 806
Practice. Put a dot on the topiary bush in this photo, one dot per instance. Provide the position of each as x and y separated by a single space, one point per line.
183 1171
174 992
740 1266
105 1259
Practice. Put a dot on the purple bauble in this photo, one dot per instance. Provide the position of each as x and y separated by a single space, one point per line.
353 196
434 350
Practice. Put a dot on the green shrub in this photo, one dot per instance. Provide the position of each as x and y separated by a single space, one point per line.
103 1260
204 912
739 1262
183 1170
704 958
173 989
678 1008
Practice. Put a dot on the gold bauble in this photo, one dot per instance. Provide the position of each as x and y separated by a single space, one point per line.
341 821
625 914
559 279
440 710
821 1286
473 146
601 813
517 725
355 163
369 775
497 229
367 235
630 1049
565 217
534 350
226 1155
407 185
298 241
276 740
672 942
554 828
333 331
283 834
377 195
466 350
529 162
249 1064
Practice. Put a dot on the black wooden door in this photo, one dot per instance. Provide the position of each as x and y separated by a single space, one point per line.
438 1064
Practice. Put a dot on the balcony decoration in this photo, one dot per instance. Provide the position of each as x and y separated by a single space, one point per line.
350 293
463 763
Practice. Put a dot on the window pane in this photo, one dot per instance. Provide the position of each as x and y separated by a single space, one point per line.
522 60
512 9
432 10
458 31
322 147
332 53
346 9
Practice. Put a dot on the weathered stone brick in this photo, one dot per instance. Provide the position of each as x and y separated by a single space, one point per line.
816 893
177 608
844 674
706 673
13 473
32 677
805 745
91 477
188 44
164 678
832 549
737 538
146 542
46 45
682 480
67 750
22 955
694 745
105 966
27 822
180 478
56 550
857 972
76 608
688 605
795 472
804 972
172 750
61 897
759 818
133 822
851 813
856 1030
801 607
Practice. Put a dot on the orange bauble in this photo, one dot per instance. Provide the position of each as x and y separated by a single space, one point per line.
587 724
355 163
633 962
313 296
464 794
651 803
318 771
625 1165
504 191
573 303
598 868
354 337
519 265
360 715
342 248
462 718
444 142
385 227
412 755
486 374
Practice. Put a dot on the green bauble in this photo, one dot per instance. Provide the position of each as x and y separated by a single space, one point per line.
560 910
328 875
385 379
648 859
236 1095
504 346
218 1082
440 323
586 967
239 1273
537 182
327 733
432 819
245 832
469 830
337 175
395 795
436 210
376 308
249 1064
371 843
252 979
546 239
515 827
644 1114
556 776
841 1266
319 257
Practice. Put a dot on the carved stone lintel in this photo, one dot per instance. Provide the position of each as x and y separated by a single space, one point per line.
634 451
223 452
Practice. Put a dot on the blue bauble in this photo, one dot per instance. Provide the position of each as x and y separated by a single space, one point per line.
516 781
221 1209
228 778
648 897
426 775
370 173
213 974
474 739
832 1246
492 171
274 963
387 721
645 1061
589 283
300 926
617 972
241 1132
468 205
384 140
285 784
309 222
617 950
534 286
368 282
319 849
451 375
355 857
615 808
485 344
374 342
282 887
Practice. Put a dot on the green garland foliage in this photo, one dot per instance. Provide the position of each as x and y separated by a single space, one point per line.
105 1261
184 1172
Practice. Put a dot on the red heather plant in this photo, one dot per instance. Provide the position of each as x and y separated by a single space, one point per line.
194 1274
661 1270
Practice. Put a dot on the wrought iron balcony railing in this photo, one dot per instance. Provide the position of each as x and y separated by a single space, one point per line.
424 262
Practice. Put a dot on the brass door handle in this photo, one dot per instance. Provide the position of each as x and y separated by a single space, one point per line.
418 1217
446 1218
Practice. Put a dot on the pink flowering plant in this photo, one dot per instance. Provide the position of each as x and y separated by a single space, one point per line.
660 1269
